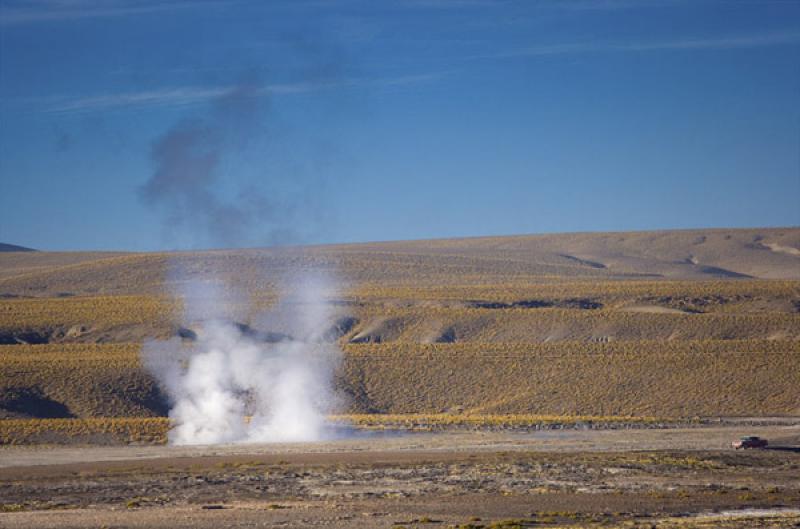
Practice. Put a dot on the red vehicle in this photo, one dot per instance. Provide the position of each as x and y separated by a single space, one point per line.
751 441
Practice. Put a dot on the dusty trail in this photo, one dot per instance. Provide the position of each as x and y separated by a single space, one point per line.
407 446
386 448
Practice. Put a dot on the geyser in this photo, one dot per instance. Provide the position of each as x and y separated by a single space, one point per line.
231 384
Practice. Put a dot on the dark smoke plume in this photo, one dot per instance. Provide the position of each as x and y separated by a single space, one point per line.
186 180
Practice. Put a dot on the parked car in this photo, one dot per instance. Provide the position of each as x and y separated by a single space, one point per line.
751 441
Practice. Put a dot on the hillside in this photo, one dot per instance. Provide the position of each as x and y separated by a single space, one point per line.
14 248
691 254
670 324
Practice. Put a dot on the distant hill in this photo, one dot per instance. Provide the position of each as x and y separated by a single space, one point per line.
705 254
14 248
668 324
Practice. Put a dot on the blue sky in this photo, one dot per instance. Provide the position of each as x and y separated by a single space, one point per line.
152 124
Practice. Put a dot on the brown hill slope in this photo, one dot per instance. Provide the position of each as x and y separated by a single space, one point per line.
641 378
701 322
772 253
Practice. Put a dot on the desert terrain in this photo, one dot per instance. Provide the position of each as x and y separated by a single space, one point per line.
682 477
529 381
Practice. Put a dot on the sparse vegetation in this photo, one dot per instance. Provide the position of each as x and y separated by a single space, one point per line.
464 332
433 421
673 379
95 430
647 378
142 430
100 311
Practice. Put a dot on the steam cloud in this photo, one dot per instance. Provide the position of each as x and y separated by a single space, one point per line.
232 383
281 382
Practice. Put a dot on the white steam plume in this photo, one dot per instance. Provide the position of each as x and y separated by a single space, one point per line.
231 372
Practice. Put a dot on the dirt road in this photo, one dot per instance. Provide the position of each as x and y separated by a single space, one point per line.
367 445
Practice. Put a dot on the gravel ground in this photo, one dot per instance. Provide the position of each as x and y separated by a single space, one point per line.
553 478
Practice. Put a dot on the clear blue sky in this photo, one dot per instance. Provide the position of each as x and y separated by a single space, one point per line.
152 124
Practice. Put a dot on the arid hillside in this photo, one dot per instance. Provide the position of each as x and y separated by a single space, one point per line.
662 324
693 254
